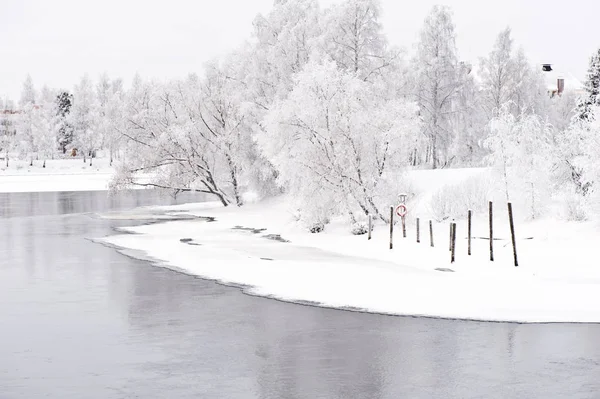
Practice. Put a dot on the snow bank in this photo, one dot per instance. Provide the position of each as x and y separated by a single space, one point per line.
58 175
261 248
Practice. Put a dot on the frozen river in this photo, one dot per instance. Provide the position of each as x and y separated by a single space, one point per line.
79 320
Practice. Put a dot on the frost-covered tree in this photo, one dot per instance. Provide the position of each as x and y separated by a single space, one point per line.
337 147
83 117
592 88
520 151
28 95
507 77
468 122
28 121
530 91
587 134
353 38
110 113
497 73
189 135
439 79
48 125
282 44
562 109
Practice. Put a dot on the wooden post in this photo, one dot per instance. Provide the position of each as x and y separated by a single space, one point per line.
450 238
469 231
491 233
403 226
370 226
391 227
453 246
512 233
418 232
431 233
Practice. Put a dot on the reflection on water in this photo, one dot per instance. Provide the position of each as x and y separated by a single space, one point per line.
80 320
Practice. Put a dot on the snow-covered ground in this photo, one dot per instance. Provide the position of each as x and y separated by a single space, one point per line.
558 279
58 175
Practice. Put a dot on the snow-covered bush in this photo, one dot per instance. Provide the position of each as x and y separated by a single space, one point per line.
453 201
359 228
317 227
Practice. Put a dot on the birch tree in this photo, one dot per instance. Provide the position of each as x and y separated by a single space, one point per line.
438 82
83 117
353 38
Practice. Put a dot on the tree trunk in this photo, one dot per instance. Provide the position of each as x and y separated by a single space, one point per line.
234 182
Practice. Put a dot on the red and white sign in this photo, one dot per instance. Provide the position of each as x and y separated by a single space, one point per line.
401 210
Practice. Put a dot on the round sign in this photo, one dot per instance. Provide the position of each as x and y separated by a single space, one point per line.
401 210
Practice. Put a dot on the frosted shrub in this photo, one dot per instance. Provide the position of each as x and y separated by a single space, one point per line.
359 228
453 201
316 227
575 208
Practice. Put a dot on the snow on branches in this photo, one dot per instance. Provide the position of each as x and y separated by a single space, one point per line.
337 147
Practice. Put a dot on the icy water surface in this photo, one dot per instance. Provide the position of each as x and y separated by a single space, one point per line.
79 320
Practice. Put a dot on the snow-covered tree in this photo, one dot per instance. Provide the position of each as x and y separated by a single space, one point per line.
48 125
497 73
190 135
83 117
468 122
592 88
439 79
28 95
353 38
110 113
283 42
530 91
521 153
562 109
27 121
337 147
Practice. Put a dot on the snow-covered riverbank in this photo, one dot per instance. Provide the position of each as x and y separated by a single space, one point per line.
58 175
558 280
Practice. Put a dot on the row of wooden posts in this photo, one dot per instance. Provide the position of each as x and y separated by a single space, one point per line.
452 240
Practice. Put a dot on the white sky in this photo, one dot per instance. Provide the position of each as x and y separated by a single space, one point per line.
58 41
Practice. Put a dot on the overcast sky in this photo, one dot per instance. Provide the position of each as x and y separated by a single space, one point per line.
58 41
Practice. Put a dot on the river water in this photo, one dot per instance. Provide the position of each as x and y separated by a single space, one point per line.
79 320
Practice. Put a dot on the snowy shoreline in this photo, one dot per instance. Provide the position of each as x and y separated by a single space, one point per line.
58 175
337 270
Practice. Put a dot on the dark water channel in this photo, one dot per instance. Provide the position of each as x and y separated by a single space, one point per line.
79 320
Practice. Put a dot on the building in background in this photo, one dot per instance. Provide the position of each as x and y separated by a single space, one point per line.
558 81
